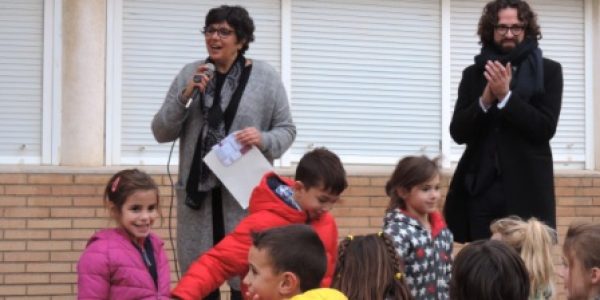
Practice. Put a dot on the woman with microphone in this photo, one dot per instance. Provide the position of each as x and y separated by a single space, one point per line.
208 99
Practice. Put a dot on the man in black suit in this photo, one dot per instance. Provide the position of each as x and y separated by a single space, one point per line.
506 113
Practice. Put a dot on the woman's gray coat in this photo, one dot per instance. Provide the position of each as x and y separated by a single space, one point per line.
264 105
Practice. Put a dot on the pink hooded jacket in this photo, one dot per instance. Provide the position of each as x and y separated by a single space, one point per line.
112 268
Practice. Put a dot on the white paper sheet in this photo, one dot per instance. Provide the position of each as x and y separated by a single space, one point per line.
239 173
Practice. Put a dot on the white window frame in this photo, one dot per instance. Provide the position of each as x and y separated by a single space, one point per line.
286 66
51 89
446 84
52 83
114 44
589 85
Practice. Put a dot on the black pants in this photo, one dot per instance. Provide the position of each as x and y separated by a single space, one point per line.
218 235
484 209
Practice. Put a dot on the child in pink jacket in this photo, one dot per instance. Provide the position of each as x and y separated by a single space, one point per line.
127 262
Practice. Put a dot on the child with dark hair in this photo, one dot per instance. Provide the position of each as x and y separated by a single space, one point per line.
581 257
276 201
368 268
284 262
491 270
417 228
127 262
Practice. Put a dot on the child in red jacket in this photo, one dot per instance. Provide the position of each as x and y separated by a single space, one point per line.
276 201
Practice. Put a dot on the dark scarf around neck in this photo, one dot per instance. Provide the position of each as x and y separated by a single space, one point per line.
215 127
528 80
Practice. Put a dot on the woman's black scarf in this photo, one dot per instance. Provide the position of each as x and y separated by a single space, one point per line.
216 126
528 80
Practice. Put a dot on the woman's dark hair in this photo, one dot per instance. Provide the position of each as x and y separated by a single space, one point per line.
238 18
369 268
126 182
491 270
489 20
410 172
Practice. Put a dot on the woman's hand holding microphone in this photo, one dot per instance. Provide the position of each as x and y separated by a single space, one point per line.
198 83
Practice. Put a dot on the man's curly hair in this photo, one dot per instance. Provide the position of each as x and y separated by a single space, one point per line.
489 19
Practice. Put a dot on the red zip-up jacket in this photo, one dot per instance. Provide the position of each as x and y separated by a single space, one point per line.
229 257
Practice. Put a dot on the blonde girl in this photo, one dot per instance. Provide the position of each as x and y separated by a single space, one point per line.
533 240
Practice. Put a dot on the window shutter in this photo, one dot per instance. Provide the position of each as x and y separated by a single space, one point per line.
562 25
21 60
159 38
563 30
366 78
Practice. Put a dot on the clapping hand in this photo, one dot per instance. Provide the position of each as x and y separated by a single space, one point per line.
498 77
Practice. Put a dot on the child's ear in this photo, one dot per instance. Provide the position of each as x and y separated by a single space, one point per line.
112 209
595 275
298 186
402 192
289 285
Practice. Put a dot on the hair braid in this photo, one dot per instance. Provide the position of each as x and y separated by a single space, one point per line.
398 286
368 268
339 266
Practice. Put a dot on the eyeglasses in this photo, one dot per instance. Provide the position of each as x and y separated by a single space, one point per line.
222 32
515 29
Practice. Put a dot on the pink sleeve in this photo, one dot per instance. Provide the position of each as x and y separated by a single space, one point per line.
93 272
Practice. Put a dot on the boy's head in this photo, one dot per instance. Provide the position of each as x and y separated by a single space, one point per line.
489 269
285 261
320 179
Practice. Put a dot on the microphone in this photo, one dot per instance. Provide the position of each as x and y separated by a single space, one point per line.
209 72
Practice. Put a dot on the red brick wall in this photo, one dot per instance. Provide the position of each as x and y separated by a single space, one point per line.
46 219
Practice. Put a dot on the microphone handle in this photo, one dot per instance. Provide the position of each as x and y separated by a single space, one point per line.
197 96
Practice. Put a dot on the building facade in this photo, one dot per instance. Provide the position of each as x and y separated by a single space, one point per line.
373 80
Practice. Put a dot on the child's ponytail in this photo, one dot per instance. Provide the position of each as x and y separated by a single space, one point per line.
533 240
536 252
399 287
343 284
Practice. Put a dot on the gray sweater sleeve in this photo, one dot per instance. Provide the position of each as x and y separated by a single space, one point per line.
264 105
168 121
282 130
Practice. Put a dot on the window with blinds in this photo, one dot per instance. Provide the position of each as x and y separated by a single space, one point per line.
21 62
365 75
562 26
158 39
366 78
